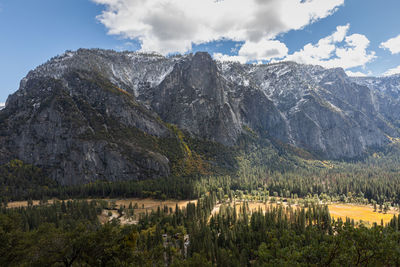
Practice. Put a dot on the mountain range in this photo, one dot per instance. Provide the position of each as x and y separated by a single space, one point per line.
96 114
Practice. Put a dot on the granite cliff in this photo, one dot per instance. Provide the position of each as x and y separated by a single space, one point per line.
103 115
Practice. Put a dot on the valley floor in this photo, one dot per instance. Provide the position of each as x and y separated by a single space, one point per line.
356 212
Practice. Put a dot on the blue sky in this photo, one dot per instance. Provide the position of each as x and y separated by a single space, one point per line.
352 34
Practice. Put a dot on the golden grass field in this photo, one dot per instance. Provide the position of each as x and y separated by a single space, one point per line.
360 212
149 204
20 204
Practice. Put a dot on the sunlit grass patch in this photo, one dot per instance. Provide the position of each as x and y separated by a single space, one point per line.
360 212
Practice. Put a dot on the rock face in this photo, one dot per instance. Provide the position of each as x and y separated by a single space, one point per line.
72 127
196 97
387 95
325 111
97 114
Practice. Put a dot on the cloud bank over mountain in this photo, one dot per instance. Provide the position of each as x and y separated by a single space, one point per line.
174 26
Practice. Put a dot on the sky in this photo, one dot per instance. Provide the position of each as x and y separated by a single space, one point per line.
361 36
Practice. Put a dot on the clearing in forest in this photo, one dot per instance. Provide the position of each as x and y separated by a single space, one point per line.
24 204
360 212
364 213
141 206
151 204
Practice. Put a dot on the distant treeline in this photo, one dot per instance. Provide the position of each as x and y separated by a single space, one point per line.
355 182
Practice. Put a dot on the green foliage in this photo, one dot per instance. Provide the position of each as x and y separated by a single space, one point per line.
69 234
22 181
251 166
49 236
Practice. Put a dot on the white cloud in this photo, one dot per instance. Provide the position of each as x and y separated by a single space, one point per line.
169 26
263 50
392 71
336 50
314 54
355 74
393 45
256 51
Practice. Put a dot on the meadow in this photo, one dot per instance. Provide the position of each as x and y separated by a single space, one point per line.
364 213
356 212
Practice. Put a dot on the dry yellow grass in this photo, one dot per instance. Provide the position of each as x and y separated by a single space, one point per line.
254 206
148 203
144 205
152 204
360 212
356 212
22 204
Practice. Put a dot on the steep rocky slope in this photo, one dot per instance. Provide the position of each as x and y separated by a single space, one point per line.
99 114
387 95
196 97
72 127
325 111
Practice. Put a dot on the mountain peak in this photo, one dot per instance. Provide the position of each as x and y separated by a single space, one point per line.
202 55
